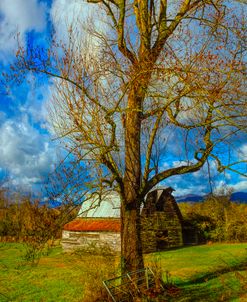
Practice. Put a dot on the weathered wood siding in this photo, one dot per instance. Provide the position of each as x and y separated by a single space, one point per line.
161 222
84 240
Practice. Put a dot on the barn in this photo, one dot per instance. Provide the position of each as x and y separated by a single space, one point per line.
162 222
98 223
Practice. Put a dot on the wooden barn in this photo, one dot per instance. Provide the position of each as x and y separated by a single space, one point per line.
162 222
98 223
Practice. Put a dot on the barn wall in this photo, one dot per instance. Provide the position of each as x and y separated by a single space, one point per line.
75 240
160 232
162 226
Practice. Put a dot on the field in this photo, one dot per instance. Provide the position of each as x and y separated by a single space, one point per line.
215 272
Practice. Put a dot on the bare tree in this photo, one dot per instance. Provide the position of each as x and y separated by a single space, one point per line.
163 74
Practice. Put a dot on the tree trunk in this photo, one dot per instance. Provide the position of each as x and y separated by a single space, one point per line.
132 258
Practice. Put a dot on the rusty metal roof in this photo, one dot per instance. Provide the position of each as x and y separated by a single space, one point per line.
93 225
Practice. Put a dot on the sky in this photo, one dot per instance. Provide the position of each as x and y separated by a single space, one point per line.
28 151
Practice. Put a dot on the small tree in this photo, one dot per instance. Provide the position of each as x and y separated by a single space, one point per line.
163 73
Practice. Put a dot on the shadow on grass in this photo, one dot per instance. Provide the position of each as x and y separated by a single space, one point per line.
175 248
215 285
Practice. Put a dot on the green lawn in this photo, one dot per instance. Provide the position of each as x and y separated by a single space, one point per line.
202 273
215 272
57 277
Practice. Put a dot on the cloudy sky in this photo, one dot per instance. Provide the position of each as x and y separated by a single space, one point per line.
27 151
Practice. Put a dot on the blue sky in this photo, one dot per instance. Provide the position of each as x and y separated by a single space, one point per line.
28 152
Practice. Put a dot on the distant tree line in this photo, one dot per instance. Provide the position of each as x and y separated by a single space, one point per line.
23 218
217 219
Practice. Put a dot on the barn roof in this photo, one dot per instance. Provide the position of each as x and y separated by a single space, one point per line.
103 214
106 206
94 225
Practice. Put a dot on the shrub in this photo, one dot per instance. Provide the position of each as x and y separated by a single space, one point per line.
217 219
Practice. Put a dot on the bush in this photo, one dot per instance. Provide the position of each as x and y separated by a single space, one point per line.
217 219
25 220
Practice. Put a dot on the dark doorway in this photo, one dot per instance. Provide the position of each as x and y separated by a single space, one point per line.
162 240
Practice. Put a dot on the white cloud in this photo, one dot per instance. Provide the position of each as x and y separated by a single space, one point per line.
165 166
179 163
210 171
36 103
198 190
243 152
25 153
80 17
237 187
240 186
220 184
64 13
19 16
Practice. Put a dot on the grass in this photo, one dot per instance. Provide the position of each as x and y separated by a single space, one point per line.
207 273
57 277
202 273
54 277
